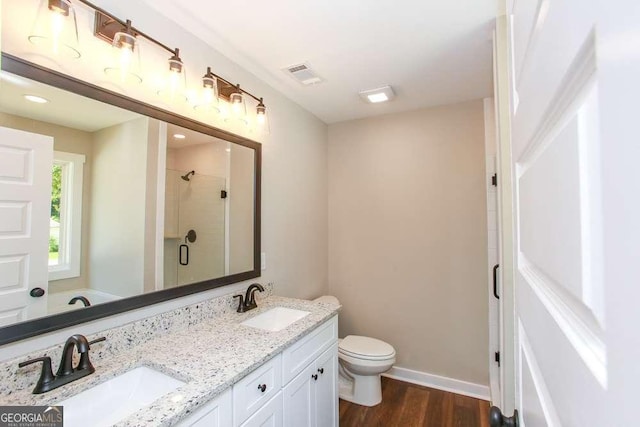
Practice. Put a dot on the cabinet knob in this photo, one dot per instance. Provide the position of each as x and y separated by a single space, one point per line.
315 377
36 292
262 387
321 370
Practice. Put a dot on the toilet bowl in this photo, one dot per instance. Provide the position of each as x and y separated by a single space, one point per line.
361 361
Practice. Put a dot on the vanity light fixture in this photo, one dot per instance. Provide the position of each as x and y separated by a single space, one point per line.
209 97
125 61
238 106
261 117
237 101
176 81
374 96
261 112
56 28
56 23
36 99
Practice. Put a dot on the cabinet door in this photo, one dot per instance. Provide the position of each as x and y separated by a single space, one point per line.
326 388
270 415
299 395
217 413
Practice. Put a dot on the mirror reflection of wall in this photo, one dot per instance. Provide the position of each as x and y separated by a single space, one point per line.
122 202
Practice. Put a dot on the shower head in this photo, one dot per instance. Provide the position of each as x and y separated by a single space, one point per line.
187 177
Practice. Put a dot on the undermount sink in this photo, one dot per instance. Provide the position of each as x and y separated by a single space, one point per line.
275 319
118 398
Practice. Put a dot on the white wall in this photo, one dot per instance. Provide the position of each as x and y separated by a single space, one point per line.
408 236
118 208
294 180
242 177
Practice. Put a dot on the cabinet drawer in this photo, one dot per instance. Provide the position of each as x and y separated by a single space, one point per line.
256 388
300 354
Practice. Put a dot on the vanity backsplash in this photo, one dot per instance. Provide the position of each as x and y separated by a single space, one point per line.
122 338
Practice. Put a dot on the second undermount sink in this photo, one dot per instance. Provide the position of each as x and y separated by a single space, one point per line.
275 319
118 398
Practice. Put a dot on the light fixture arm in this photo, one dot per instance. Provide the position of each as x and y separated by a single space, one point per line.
236 86
124 24
174 52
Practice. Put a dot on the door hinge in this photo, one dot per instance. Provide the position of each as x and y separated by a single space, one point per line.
494 180
223 194
497 357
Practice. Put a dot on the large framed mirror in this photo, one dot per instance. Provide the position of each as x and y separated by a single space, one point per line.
108 204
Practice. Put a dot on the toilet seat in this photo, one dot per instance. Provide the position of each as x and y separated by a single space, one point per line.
365 348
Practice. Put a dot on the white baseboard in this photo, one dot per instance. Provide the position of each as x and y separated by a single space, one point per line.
441 383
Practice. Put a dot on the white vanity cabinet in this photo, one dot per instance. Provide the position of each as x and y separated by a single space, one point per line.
297 388
311 398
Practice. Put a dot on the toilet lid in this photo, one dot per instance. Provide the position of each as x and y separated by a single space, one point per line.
365 347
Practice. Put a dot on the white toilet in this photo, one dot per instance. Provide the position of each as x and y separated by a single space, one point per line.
361 361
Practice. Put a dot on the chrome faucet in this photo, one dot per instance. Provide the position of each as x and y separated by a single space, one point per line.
66 372
248 302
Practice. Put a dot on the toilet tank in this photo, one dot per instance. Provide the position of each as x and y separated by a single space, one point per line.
329 299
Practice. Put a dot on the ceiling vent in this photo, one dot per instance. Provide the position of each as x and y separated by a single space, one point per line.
303 74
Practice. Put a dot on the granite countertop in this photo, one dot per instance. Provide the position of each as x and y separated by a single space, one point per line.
209 356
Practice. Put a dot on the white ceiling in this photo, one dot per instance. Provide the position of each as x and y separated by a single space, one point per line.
432 52
63 109
191 137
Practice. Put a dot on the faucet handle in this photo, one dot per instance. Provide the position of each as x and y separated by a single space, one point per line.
46 374
97 340
241 308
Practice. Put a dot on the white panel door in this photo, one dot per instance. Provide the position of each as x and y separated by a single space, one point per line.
26 160
575 71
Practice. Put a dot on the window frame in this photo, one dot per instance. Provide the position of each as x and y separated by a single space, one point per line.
70 238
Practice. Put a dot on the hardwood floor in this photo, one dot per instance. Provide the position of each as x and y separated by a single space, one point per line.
409 405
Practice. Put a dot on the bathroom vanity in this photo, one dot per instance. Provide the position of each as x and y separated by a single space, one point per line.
298 387
226 373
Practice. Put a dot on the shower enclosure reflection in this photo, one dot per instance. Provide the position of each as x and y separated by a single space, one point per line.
208 191
193 205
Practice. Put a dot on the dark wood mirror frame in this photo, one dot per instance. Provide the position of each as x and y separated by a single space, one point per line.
54 322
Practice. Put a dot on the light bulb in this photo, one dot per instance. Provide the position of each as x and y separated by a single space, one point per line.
236 107
126 57
57 25
207 95
261 118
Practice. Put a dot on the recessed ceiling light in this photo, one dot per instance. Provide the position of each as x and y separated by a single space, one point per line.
179 136
36 99
378 97
374 96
